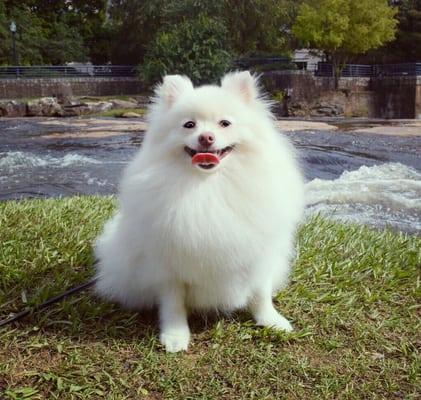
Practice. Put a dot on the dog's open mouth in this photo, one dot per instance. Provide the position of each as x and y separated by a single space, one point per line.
207 159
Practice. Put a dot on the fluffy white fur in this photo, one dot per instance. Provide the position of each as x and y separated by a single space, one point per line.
186 238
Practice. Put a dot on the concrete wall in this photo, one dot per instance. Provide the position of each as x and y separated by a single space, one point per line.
418 99
309 95
46 87
300 85
304 85
395 97
387 97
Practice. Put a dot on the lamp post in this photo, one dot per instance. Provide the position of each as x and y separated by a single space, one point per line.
13 30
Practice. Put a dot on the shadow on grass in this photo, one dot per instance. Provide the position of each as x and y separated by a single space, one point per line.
91 319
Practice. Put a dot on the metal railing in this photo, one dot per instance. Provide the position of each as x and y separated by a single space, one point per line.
286 65
249 62
410 69
369 71
278 63
350 70
66 71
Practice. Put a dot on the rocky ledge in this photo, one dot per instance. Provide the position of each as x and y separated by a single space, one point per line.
68 107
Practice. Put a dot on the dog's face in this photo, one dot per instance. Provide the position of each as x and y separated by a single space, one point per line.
207 126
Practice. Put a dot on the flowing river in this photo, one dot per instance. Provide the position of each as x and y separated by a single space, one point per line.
367 174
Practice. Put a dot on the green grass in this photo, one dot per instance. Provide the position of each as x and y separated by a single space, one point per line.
354 299
118 112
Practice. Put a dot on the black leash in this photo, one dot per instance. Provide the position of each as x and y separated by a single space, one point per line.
47 303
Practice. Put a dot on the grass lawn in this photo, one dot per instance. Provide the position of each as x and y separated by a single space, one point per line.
354 299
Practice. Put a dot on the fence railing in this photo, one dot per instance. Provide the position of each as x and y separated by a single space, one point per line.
272 63
64 71
411 69
249 62
358 70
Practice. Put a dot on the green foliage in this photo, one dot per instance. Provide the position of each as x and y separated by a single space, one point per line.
344 28
251 25
4 34
63 44
195 37
52 32
324 27
407 46
134 24
278 96
124 31
29 36
89 18
258 25
196 48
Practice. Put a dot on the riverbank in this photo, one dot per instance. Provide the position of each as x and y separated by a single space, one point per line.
110 123
135 108
352 299
105 106
398 127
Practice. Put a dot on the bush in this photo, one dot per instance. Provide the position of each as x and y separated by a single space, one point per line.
196 48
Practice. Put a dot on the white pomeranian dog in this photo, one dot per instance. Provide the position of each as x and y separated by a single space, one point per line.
207 210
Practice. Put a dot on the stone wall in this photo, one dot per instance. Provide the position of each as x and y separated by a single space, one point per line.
300 93
59 87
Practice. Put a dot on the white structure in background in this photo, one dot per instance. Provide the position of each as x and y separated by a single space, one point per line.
84 68
307 59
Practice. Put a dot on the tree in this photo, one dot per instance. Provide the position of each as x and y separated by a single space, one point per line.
134 25
199 37
89 19
253 26
344 28
78 24
258 26
4 34
63 44
53 32
197 48
29 35
407 46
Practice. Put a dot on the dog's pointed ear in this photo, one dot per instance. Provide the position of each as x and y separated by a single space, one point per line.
242 83
172 87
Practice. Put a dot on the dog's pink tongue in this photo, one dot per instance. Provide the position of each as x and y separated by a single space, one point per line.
205 158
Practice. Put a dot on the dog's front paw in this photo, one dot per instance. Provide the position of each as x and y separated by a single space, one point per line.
175 340
276 321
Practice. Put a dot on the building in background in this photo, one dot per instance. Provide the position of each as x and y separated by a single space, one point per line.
307 59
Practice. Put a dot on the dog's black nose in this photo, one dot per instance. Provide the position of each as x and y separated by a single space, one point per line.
206 139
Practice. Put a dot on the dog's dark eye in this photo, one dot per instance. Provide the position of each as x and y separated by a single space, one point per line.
224 123
189 124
